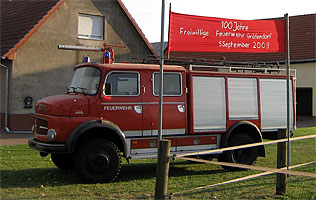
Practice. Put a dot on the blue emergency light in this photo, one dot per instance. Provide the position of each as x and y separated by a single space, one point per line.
86 59
107 54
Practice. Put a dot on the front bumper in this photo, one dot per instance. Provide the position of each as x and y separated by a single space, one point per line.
47 147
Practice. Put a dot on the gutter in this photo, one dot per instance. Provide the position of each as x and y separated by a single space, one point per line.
6 129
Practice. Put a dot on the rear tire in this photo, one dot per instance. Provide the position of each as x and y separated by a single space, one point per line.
247 156
98 161
63 161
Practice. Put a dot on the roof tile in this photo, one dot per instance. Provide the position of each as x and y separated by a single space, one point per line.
18 17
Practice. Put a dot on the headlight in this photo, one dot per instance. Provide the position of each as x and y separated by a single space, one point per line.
51 134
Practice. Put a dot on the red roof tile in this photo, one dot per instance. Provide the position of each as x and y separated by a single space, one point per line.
18 18
140 32
21 18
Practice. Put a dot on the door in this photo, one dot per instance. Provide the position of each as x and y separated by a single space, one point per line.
122 101
174 104
304 101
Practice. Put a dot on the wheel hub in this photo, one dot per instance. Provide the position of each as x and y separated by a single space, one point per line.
99 163
241 155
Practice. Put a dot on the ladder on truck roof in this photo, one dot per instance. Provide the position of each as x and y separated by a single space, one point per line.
222 65
243 69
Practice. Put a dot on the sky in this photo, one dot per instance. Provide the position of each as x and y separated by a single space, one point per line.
147 13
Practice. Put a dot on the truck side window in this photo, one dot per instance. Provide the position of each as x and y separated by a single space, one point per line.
123 83
172 84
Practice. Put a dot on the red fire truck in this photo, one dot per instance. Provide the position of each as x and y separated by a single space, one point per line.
111 111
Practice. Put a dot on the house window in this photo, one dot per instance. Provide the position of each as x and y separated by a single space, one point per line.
90 27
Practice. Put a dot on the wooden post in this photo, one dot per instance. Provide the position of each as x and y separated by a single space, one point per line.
281 162
162 169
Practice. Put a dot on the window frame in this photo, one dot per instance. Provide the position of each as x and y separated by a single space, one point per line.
167 95
129 72
88 37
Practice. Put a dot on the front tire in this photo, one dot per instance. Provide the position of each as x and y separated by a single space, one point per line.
63 161
98 161
247 156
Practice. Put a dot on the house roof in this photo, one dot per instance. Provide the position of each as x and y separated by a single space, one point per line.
156 46
137 27
20 19
302 45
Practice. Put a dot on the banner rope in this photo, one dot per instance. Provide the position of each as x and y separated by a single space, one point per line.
175 156
237 180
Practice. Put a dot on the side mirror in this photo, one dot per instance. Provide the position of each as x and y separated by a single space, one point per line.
108 89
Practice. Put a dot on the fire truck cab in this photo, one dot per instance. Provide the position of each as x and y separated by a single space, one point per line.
110 111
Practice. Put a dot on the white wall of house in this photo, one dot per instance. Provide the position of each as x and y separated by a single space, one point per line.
306 78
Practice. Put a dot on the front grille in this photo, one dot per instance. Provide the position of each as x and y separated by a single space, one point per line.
41 126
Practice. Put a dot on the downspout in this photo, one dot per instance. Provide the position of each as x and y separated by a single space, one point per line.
6 129
6 92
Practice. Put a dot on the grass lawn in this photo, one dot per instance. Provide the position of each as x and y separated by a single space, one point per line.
26 175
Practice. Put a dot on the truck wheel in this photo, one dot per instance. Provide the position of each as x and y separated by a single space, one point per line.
63 161
98 161
247 156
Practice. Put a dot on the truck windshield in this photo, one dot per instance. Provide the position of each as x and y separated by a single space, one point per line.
86 80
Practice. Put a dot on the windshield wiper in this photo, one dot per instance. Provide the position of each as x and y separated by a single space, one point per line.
83 90
73 90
